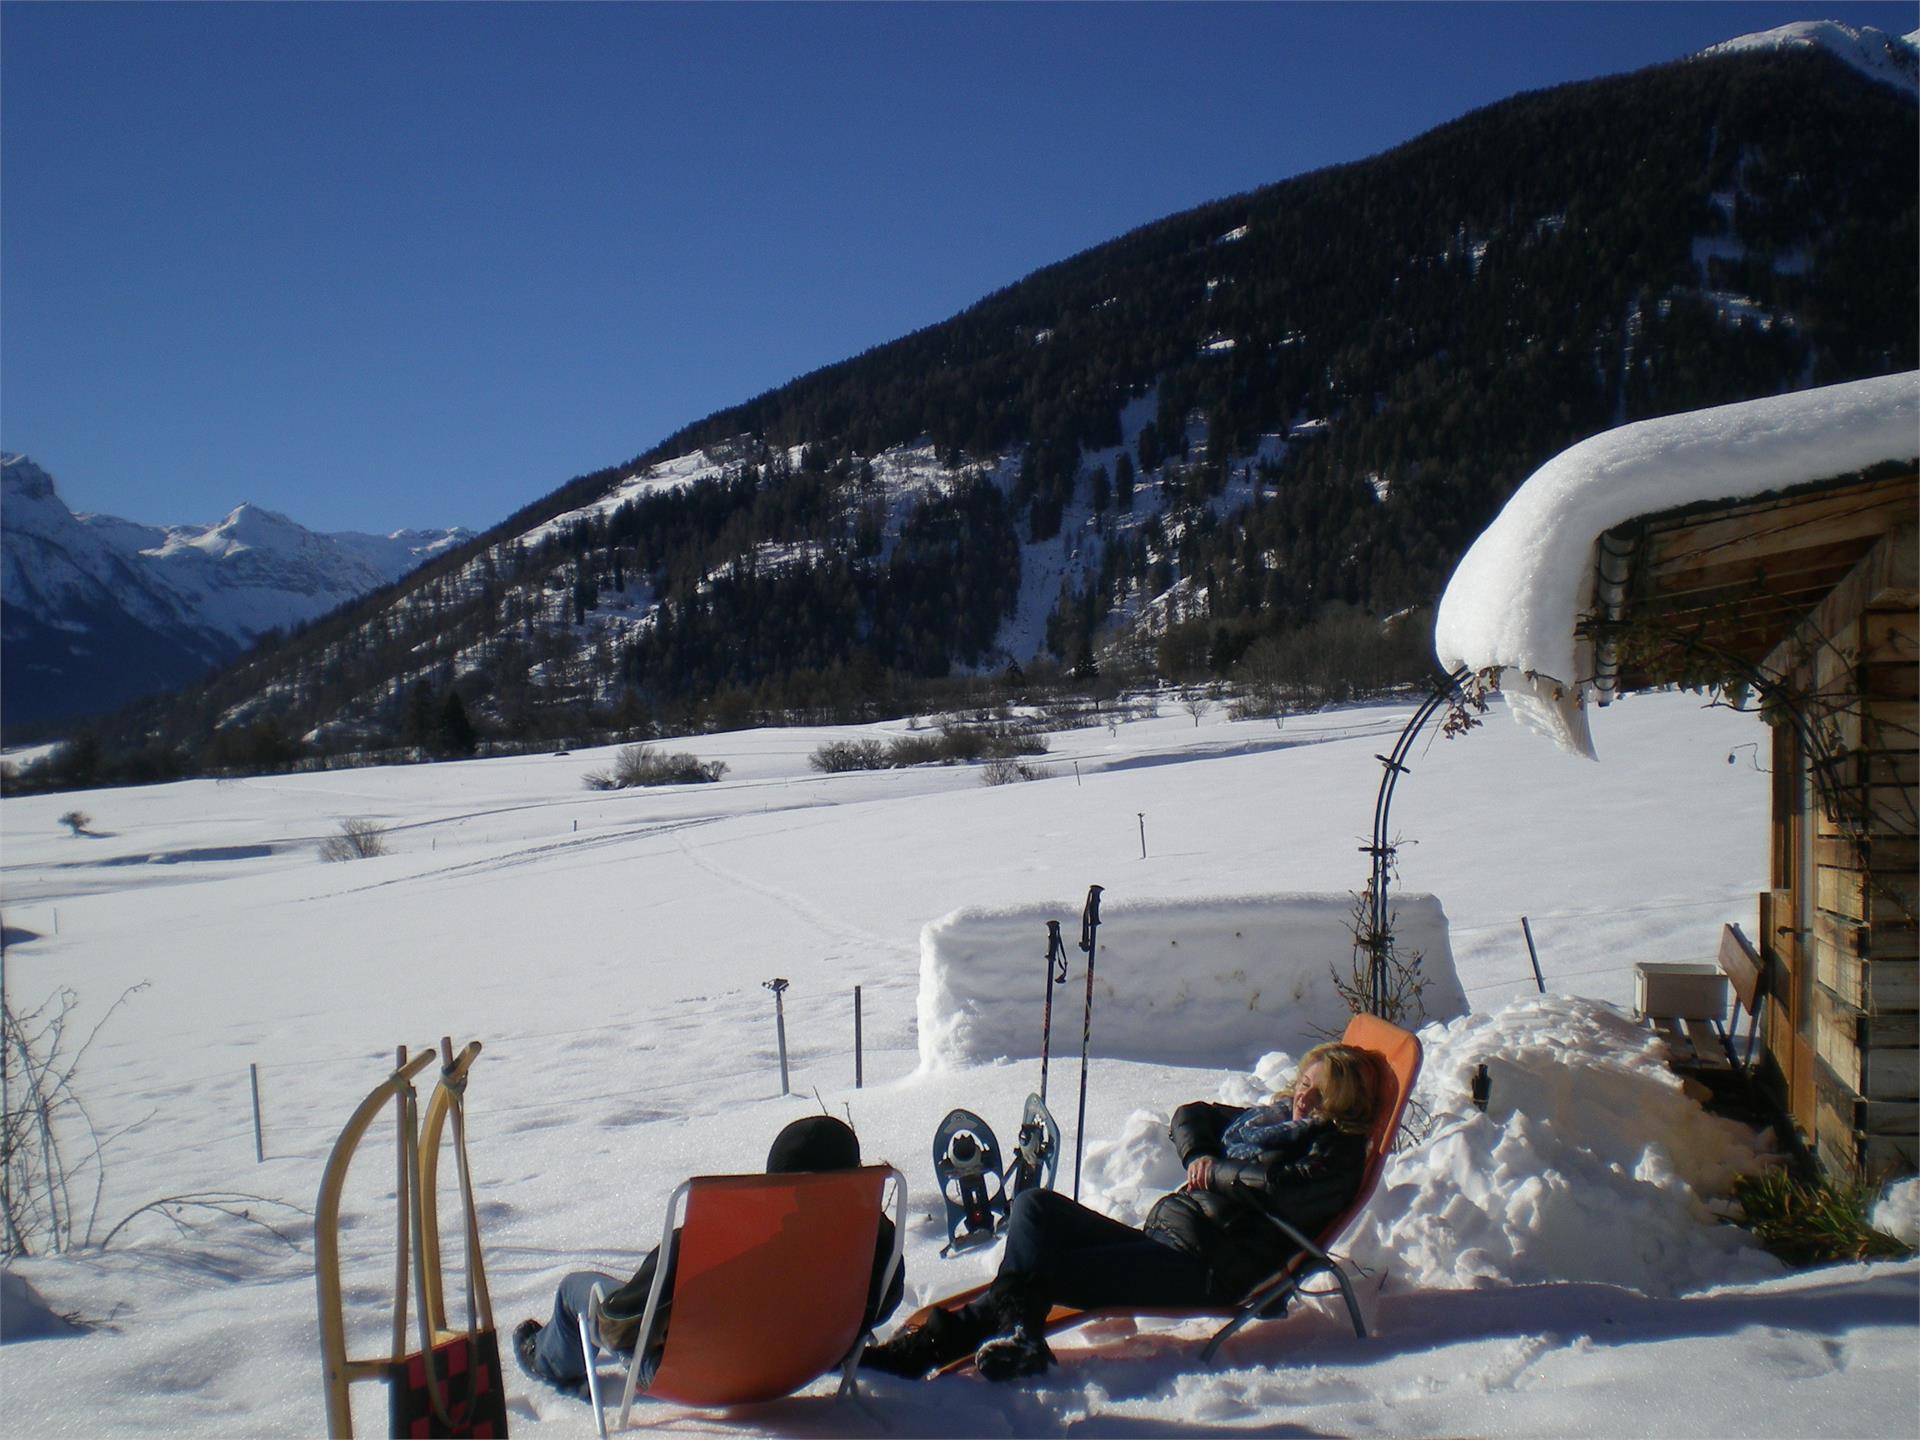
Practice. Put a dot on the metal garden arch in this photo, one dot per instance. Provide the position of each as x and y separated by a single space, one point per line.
1446 689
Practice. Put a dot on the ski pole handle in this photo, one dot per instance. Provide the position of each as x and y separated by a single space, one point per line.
1090 917
1056 975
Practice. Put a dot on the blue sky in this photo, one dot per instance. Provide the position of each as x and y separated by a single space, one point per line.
386 265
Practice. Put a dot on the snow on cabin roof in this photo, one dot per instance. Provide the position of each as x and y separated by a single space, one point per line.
1515 599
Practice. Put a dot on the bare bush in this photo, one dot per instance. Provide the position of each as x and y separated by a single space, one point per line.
355 840
48 1144
839 756
1403 983
917 750
641 765
957 743
77 821
53 1156
1008 770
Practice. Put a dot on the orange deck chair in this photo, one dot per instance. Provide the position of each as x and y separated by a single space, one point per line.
770 1290
1398 1055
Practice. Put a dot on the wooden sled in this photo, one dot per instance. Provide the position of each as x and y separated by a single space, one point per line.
417 1235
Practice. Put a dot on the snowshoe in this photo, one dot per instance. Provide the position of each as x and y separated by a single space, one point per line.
1036 1156
966 1159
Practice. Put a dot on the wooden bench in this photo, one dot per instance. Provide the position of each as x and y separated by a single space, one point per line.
1744 970
1705 1042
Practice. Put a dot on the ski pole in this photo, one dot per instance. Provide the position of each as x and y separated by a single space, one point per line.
1056 975
1089 936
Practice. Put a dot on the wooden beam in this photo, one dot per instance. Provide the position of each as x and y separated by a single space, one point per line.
1890 568
1815 567
1840 488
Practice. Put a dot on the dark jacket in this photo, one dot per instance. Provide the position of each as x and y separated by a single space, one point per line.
1307 1179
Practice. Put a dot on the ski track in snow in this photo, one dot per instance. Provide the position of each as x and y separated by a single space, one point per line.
831 926
572 845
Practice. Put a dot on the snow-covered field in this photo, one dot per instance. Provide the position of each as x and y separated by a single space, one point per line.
1553 1267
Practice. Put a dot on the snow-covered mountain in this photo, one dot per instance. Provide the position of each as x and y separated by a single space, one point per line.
97 610
1891 59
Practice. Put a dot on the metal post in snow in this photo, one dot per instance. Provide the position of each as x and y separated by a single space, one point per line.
1143 833
779 987
6 1097
858 1076
1533 954
259 1143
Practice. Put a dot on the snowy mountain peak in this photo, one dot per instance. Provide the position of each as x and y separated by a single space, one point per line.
86 596
249 527
1890 59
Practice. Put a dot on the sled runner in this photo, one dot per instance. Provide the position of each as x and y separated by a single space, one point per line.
966 1160
770 1288
1397 1054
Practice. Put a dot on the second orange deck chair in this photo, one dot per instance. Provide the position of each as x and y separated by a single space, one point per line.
770 1287
1397 1055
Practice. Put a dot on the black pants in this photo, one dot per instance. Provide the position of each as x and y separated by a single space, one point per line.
1062 1253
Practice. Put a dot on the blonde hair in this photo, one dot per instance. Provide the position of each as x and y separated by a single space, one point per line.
1347 1098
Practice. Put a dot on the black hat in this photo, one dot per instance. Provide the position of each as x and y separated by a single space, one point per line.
818 1142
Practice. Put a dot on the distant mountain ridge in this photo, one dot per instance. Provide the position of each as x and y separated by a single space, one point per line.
1176 453
96 610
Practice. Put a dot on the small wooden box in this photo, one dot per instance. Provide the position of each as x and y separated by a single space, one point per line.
1682 989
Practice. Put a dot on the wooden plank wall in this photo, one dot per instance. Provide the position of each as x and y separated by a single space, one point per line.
1847 1038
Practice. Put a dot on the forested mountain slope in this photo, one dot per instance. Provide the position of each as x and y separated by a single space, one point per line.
1177 450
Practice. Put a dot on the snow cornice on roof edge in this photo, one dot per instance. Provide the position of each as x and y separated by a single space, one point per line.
1516 598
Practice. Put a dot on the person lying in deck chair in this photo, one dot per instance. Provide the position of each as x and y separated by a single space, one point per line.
1302 1156
551 1352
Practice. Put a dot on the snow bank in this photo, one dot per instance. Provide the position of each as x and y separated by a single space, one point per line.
1218 980
1898 1211
1514 600
1590 1163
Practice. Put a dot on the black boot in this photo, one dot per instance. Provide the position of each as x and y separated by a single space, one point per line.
525 1334
1018 1311
946 1336
1013 1356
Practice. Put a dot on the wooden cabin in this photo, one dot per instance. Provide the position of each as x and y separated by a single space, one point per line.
1806 597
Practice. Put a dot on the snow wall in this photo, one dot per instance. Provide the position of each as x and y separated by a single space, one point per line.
1202 981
